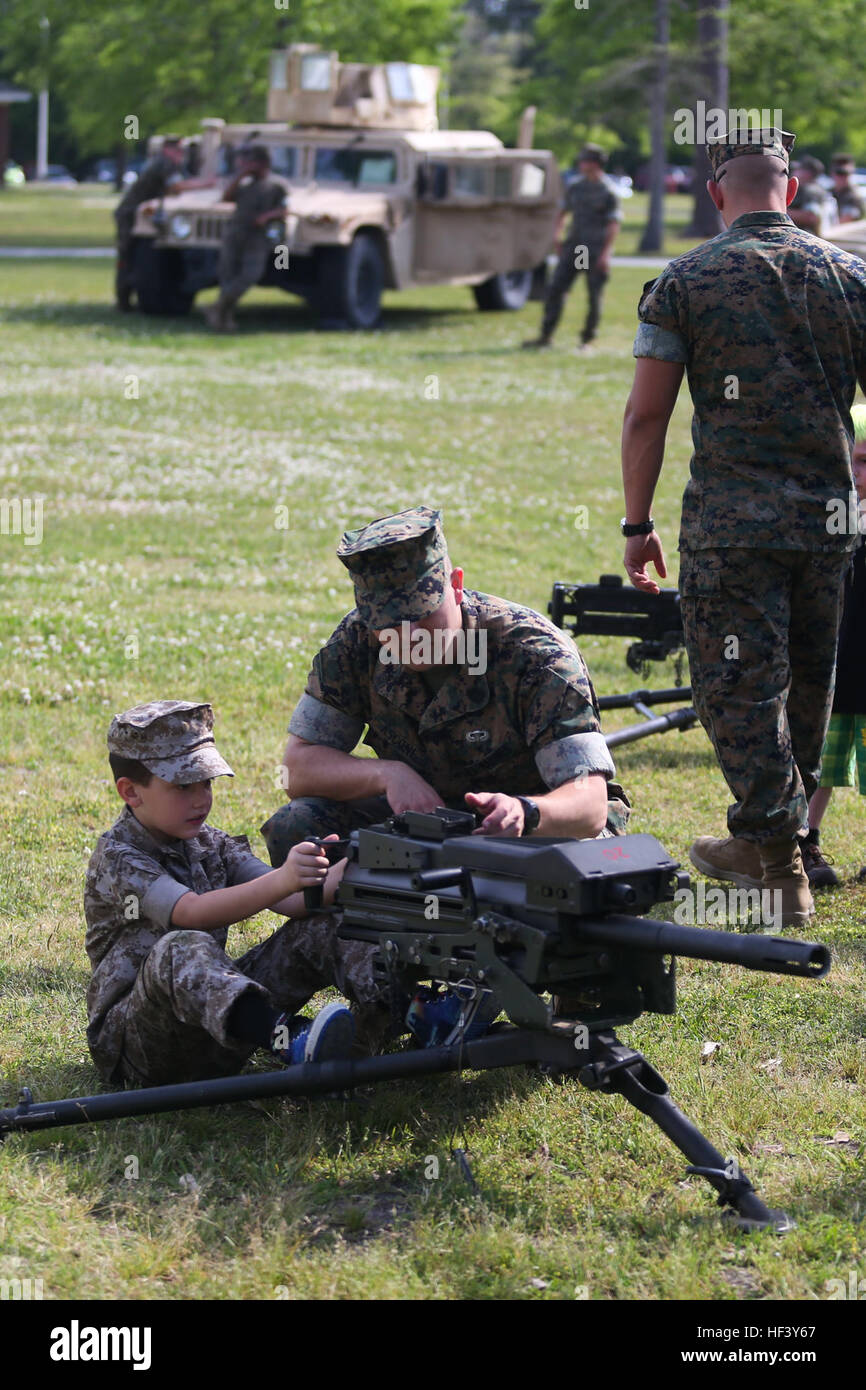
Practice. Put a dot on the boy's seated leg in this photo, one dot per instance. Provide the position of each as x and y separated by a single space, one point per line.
306 956
318 815
178 1010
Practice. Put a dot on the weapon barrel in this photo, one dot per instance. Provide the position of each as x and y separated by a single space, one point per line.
677 693
778 954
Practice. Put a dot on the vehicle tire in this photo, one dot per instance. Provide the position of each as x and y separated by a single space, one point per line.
157 277
509 291
350 282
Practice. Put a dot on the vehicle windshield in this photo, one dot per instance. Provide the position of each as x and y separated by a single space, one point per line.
284 160
355 166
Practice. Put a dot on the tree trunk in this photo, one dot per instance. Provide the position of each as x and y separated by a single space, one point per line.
713 60
4 142
654 229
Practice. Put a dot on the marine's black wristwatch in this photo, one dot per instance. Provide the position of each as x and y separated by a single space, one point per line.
531 814
636 528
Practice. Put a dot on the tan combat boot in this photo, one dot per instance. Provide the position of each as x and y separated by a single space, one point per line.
736 861
784 877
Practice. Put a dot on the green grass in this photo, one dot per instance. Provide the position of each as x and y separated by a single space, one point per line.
51 216
159 526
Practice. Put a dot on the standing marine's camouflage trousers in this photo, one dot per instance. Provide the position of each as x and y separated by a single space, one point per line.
563 278
124 221
241 264
177 1012
760 629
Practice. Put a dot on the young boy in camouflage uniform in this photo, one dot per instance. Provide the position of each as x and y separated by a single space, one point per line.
165 1002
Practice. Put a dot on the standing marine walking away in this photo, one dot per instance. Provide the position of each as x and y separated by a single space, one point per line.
769 322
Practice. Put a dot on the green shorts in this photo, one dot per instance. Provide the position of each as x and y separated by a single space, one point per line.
844 746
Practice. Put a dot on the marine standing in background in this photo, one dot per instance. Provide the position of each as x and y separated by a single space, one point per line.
770 323
812 208
246 245
850 206
594 203
160 175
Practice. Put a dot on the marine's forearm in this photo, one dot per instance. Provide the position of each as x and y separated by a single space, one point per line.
577 808
643 449
316 770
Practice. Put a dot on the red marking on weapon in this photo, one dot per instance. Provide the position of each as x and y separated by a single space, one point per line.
615 852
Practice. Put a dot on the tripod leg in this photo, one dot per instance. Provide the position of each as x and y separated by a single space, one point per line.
616 1068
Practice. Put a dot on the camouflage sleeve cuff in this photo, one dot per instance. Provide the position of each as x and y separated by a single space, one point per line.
316 722
662 343
574 756
159 901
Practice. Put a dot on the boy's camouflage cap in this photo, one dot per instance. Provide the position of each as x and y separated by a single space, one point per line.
773 143
172 738
399 565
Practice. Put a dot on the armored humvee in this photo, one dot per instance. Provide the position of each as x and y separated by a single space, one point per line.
378 197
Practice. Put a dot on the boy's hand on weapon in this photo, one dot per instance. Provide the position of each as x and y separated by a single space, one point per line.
641 551
306 866
503 815
407 790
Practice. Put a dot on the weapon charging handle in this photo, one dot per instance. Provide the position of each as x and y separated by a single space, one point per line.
335 850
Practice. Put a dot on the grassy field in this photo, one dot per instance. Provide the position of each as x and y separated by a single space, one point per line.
161 455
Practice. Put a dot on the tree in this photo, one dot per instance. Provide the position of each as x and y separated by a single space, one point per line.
713 60
654 230
169 65
484 78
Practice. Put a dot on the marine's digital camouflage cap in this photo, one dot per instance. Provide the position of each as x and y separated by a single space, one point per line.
772 143
172 738
399 566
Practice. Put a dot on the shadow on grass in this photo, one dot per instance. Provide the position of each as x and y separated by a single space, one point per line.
312 1157
278 318
449 1102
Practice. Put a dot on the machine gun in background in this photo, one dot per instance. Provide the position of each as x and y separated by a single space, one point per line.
507 922
610 609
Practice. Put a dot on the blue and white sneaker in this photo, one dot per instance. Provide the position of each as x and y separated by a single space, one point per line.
327 1038
438 1019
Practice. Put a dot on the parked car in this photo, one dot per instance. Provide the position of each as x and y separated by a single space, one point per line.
678 178
105 171
57 174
